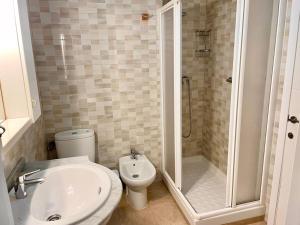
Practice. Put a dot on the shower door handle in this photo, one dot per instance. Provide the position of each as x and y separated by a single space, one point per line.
293 119
229 80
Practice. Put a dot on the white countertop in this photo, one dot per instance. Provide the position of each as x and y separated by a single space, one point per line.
97 217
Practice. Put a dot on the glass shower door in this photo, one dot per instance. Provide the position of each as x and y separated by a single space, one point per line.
171 100
255 87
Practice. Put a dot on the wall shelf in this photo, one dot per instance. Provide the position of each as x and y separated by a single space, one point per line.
202 43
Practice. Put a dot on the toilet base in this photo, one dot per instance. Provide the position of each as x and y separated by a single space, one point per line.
137 198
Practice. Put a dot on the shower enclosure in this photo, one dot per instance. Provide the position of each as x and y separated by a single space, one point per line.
217 73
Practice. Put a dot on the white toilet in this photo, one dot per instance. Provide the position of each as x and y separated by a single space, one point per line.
73 143
137 174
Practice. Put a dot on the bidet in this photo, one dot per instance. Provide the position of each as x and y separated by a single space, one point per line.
137 173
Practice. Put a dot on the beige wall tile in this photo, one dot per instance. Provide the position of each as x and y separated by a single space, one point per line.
98 67
210 93
31 146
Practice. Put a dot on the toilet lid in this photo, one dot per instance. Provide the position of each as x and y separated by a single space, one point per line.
73 134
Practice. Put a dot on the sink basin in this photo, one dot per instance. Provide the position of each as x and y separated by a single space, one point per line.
69 194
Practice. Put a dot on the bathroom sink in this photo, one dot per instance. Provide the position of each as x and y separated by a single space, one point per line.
68 194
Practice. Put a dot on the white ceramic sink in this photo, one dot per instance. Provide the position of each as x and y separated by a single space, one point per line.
71 192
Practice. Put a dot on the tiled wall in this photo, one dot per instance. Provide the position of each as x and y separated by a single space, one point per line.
31 146
221 22
210 93
194 18
98 67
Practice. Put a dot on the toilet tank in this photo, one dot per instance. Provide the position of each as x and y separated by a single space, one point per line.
74 143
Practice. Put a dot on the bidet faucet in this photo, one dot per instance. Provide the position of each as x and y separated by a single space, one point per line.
22 182
133 153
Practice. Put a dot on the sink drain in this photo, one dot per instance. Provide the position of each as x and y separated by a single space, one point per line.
54 217
135 175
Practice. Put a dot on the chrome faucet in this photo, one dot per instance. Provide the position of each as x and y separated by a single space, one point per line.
133 153
22 182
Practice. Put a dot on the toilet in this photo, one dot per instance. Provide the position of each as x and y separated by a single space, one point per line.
72 143
137 174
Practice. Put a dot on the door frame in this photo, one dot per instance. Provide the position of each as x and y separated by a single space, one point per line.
284 163
176 6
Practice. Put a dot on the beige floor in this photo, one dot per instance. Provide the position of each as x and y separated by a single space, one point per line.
162 210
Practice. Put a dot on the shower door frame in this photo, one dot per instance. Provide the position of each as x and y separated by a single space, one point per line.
231 211
174 5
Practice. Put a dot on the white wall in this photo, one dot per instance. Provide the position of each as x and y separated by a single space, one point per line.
11 74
